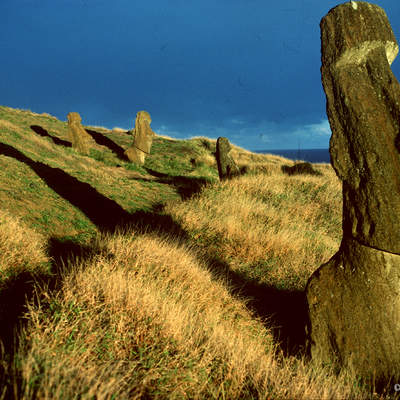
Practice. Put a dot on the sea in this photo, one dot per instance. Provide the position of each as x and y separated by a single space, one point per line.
310 155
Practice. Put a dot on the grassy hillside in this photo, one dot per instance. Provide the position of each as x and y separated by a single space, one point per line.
127 282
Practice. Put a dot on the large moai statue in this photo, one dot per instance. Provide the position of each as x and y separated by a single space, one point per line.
227 168
142 140
80 139
354 299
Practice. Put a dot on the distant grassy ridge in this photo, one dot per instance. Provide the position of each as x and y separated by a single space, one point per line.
127 282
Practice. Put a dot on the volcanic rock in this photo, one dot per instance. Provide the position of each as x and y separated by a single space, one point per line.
354 299
80 139
143 139
227 168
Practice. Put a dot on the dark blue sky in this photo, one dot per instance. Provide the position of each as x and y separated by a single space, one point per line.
245 69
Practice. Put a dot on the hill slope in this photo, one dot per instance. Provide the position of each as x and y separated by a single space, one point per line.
118 281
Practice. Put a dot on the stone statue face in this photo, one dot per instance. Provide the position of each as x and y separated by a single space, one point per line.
363 106
353 299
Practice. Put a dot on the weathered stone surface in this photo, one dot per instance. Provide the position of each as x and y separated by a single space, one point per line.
363 106
354 299
354 309
80 139
143 138
227 168
135 155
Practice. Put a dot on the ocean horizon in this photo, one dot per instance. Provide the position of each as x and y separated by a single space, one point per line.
310 155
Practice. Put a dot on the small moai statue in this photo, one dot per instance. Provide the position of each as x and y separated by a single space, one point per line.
227 168
142 140
80 139
354 298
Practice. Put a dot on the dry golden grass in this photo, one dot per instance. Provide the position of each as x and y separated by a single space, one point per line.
97 128
251 162
146 319
21 249
166 137
38 142
23 113
146 315
9 125
291 224
117 129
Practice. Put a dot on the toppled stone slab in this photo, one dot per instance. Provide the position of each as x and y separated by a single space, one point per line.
354 299
300 169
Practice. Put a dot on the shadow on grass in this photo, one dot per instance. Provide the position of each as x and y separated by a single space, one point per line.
105 141
106 214
186 186
13 295
24 288
157 222
286 310
283 310
42 132
16 292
